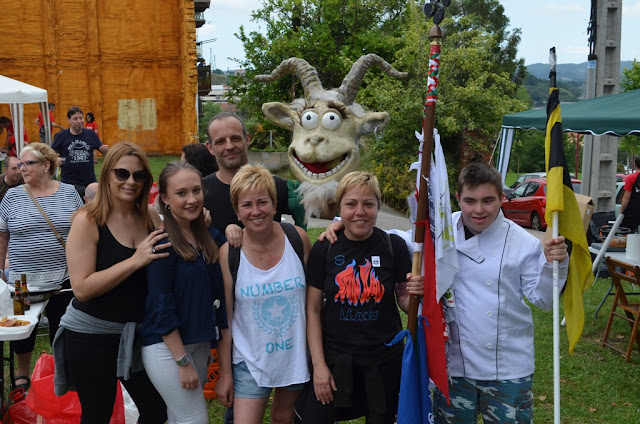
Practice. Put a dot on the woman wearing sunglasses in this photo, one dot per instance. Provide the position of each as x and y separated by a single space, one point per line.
112 240
33 247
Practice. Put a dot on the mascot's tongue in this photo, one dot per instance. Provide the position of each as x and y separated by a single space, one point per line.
317 167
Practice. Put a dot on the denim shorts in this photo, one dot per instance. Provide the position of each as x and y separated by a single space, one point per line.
245 386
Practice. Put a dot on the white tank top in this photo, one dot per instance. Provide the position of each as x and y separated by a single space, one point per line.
269 321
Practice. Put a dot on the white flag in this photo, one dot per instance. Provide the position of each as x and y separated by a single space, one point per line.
445 248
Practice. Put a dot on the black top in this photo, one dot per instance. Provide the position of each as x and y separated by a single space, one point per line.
77 150
217 199
358 280
125 302
4 187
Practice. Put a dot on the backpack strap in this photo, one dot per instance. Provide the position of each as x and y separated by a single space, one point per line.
289 231
294 238
234 262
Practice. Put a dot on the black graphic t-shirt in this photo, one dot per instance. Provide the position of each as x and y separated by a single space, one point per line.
358 280
77 150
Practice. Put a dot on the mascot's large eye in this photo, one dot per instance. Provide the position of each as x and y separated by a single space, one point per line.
331 120
309 120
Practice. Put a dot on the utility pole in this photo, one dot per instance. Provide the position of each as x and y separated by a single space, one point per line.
600 157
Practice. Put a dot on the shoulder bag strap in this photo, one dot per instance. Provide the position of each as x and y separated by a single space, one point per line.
46 218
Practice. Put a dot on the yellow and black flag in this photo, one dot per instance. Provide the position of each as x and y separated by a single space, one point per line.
561 199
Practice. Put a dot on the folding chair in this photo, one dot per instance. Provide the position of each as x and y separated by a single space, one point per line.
623 274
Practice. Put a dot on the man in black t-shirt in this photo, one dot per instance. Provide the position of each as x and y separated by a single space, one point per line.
228 140
75 146
12 177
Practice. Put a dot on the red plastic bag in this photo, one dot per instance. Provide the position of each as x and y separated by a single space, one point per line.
19 412
65 409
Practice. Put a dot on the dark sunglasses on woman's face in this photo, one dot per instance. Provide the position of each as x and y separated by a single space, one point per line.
124 174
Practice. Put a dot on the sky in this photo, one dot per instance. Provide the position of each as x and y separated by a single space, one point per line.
544 24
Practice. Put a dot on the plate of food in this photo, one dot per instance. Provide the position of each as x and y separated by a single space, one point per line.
17 323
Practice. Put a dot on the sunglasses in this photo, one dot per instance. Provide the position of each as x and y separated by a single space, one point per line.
124 174
27 163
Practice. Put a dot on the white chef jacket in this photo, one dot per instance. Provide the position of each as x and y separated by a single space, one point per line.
491 326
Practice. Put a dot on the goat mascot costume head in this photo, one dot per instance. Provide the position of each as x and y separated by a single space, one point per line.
326 128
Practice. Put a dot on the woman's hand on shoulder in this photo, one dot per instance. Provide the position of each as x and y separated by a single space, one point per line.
233 233
207 216
331 233
149 249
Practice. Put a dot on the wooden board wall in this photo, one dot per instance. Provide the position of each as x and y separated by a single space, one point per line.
130 62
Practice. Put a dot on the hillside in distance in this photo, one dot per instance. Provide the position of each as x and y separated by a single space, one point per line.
568 71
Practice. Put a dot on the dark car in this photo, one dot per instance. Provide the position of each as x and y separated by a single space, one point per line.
525 205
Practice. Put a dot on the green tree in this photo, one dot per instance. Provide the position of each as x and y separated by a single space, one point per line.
209 109
629 145
631 77
488 16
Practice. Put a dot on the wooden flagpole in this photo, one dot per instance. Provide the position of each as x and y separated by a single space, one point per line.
422 215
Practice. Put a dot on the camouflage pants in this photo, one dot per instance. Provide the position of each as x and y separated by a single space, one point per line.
498 401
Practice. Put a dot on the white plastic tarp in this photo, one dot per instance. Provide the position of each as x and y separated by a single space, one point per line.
17 94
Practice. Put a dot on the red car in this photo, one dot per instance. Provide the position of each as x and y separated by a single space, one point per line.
525 205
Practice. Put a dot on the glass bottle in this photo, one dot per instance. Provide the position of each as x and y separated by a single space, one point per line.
18 300
25 292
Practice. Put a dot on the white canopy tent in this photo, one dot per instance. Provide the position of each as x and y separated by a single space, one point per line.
17 94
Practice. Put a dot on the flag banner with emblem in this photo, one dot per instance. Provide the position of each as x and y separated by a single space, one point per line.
562 199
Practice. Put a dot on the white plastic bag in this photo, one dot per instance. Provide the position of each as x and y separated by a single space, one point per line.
6 303
131 413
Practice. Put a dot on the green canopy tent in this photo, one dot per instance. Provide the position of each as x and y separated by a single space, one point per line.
617 114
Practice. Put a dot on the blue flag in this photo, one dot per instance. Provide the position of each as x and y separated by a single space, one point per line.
414 405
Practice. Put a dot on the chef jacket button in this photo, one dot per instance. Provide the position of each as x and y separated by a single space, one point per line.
488 282
493 254
504 224
463 343
489 314
489 346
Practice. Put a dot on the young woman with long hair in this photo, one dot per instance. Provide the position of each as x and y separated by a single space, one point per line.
185 290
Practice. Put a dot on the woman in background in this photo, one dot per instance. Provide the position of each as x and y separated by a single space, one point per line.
112 240
33 247
91 122
92 125
199 156
185 289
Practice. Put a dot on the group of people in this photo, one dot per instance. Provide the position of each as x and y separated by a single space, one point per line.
211 264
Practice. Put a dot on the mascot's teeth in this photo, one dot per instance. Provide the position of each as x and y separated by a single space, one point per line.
324 174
